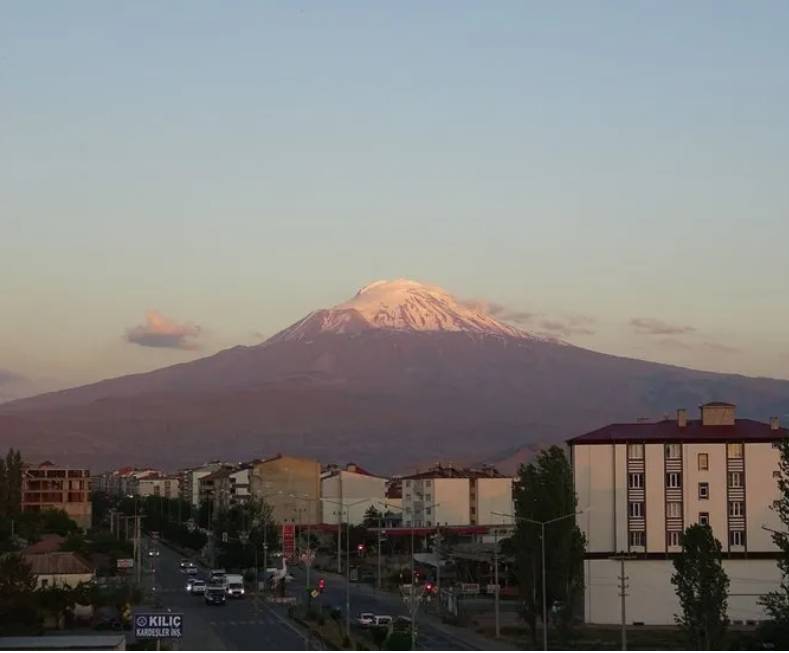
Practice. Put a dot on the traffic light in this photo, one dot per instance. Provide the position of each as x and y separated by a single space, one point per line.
322 584
360 548
428 587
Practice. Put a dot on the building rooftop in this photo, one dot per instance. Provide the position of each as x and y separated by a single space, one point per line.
440 470
61 562
64 642
49 543
668 430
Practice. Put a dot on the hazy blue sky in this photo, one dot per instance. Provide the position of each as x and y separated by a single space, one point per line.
235 165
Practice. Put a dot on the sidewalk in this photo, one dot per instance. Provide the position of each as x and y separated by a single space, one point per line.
464 635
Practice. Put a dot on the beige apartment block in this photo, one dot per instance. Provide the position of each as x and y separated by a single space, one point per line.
291 486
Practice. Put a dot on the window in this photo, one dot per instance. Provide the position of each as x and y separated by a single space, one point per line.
734 450
635 480
704 461
704 519
674 509
673 538
635 451
673 480
704 490
735 479
44 582
636 509
427 511
735 509
428 497
637 538
674 451
737 538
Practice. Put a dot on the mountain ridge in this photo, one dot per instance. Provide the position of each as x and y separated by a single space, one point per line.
382 395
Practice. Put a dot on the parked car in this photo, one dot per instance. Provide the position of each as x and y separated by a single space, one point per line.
365 619
184 563
154 553
402 624
382 621
107 618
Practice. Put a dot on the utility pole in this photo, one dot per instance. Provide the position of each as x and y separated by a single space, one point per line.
623 587
496 580
438 566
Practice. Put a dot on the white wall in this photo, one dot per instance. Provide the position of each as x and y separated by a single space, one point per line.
494 495
361 490
654 470
761 489
652 599
454 497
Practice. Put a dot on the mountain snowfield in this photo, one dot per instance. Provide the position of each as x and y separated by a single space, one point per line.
402 374
400 305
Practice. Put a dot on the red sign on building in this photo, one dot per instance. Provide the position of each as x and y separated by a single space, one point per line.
288 540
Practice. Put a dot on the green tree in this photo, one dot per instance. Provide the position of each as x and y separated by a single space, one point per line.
13 467
372 517
19 613
3 489
544 492
777 603
702 587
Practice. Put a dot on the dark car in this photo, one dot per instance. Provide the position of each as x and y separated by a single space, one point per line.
107 618
215 595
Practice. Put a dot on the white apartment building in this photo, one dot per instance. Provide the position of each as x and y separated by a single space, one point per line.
640 485
156 485
190 481
347 494
451 496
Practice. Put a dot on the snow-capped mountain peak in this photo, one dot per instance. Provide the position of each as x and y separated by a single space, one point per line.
399 305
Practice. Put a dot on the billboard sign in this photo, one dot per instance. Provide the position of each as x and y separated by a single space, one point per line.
125 563
288 540
158 625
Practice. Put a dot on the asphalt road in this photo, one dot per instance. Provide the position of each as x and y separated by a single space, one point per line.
241 624
366 599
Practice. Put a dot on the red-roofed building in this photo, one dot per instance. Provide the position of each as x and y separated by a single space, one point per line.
640 485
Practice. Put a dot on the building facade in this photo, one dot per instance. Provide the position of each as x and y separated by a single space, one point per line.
51 487
291 486
156 484
449 496
347 493
640 485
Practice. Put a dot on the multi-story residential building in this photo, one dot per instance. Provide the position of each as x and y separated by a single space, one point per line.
347 493
189 481
226 487
640 485
155 484
291 486
449 496
48 486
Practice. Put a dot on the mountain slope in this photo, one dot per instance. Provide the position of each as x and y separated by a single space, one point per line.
407 385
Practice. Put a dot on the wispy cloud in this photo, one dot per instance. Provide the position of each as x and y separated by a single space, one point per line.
651 326
160 331
705 346
7 376
499 311
573 325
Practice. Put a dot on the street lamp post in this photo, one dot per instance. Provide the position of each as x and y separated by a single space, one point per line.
542 525
346 507
413 604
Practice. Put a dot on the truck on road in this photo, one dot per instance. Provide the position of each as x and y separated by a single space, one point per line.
234 584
